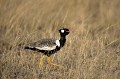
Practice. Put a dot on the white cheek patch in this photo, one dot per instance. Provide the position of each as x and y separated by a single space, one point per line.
62 31
57 43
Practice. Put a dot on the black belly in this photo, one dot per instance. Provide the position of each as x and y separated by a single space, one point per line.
49 52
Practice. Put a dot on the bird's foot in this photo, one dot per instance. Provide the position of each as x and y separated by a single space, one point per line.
55 65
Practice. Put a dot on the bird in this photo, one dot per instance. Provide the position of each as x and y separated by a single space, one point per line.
49 46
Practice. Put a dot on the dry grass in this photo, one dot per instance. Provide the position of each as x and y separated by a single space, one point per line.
92 50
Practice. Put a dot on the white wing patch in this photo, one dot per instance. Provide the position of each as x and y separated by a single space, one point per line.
57 43
46 48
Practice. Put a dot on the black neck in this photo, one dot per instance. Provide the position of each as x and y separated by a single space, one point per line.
62 40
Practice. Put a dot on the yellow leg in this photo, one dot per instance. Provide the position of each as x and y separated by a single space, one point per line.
34 58
49 61
41 61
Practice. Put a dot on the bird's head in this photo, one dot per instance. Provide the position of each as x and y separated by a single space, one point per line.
64 31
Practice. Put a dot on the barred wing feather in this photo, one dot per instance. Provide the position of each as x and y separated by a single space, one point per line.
44 44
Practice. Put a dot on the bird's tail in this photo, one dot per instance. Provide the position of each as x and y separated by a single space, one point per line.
26 47
29 47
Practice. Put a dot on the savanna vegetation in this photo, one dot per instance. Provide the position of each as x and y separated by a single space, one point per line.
92 49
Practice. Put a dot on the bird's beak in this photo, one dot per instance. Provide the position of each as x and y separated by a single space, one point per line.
68 31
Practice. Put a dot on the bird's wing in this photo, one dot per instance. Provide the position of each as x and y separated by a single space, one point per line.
43 44
46 48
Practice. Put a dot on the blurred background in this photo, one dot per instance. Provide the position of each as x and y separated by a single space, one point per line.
92 50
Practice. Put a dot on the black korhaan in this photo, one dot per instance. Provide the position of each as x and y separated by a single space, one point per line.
49 46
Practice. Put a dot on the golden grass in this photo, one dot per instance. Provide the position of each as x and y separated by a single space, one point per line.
92 50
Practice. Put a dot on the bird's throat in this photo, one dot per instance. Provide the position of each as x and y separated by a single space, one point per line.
62 41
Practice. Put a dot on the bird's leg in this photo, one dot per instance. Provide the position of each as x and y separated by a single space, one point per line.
34 58
49 61
41 61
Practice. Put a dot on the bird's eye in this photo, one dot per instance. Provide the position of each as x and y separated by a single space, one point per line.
62 31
